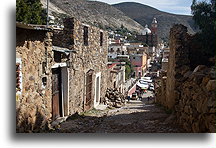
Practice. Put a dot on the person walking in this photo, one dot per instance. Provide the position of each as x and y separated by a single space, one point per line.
139 95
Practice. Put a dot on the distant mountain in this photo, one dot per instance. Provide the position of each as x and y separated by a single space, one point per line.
144 14
94 13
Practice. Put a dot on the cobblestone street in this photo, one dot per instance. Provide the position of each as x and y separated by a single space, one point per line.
137 116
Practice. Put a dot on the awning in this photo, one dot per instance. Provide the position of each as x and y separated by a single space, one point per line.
63 50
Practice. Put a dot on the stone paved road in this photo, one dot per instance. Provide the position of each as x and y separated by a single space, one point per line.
137 116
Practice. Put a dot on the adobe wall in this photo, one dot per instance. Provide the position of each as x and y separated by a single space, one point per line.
33 102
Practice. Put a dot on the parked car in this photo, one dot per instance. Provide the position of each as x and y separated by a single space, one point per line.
147 79
143 84
151 87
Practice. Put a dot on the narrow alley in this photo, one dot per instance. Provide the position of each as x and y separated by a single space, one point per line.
137 116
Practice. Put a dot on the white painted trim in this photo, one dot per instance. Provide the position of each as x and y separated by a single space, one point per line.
68 91
95 99
62 93
85 25
56 65
65 85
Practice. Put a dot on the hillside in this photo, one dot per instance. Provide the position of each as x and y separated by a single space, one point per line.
144 14
95 13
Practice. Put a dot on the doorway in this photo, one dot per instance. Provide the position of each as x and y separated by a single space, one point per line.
60 92
56 93
88 100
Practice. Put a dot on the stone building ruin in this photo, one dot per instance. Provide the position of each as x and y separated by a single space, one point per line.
58 72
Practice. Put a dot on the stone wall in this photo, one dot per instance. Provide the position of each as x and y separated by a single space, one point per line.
178 63
190 93
33 101
91 57
196 105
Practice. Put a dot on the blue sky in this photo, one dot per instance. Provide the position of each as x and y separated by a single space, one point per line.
171 6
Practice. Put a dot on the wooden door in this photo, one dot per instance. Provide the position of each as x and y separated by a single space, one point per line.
88 90
56 92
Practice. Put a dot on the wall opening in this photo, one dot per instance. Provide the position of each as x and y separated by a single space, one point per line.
85 35
60 92
88 100
101 38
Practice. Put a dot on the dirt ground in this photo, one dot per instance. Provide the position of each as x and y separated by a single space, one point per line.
137 116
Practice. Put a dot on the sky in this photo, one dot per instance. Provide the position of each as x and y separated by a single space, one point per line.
171 6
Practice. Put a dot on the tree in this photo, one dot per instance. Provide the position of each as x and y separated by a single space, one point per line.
128 68
204 16
30 11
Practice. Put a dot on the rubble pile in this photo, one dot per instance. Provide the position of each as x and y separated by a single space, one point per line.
114 98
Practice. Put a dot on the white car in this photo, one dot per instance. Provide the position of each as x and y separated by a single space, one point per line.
151 86
142 84
147 79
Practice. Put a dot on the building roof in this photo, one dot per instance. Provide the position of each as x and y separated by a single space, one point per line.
32 26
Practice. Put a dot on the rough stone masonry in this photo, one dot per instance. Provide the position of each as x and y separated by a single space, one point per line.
190 93
33 90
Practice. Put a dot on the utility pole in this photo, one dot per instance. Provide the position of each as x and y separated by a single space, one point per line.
47 13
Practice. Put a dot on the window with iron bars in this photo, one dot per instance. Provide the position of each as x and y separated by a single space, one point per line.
18 77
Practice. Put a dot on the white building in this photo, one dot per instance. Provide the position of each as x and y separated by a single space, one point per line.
116 49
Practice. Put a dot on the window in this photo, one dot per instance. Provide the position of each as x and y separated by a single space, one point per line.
44 67
85 35
18 77
44 81
101 38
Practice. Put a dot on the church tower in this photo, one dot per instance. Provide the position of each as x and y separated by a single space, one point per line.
154 26
154 30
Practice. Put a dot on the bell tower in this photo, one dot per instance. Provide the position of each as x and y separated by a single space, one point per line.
154 30
154 26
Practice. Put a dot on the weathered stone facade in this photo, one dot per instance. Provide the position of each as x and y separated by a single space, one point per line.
178 58
90 57
189 93
196 109
33 78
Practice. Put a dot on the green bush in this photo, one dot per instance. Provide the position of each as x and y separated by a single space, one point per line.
204 41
